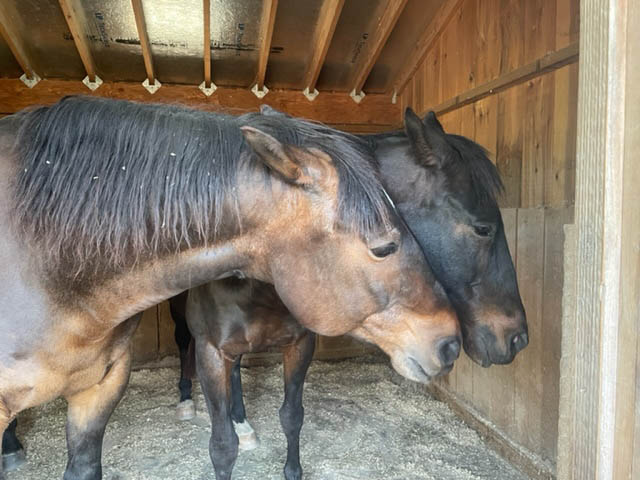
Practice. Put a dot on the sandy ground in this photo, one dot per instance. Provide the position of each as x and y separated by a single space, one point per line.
359 425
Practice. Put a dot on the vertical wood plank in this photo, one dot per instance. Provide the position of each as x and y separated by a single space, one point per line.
432 85
528 363
166 328
560 169
553 281
511 107
450 52
488 40
538 140
486 124
145 339
467 35
511 35
540 28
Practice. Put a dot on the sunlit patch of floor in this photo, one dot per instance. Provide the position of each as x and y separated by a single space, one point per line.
359 425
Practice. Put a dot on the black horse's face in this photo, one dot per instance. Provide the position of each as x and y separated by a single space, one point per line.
451 210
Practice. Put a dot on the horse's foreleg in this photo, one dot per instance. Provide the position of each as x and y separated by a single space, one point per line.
87 417
297 358
246 435
186 409
4 424
12 452
214 372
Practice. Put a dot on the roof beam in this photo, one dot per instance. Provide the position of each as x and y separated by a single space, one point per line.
74 17
327 108
141 24
266 33
9 29
386 21
329 16
207 42
424 44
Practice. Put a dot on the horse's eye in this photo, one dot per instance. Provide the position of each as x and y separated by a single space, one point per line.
482 230
385 250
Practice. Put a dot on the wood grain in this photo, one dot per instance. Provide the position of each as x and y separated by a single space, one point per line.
327 108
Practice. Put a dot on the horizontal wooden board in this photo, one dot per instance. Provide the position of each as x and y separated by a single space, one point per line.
326 108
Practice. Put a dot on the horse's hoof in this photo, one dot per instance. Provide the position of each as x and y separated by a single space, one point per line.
13 461
247 438
186 410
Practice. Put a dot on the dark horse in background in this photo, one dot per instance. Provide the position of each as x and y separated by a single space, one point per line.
108 207
445 188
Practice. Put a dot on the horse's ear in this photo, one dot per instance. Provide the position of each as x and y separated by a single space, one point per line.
431 122
425 142
275 156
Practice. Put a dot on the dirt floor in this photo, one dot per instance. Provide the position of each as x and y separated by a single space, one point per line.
359 425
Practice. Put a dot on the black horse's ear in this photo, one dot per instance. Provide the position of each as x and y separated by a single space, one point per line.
432 122
424 144
275 156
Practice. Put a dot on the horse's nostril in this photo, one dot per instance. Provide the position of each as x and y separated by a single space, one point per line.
519 341
448 351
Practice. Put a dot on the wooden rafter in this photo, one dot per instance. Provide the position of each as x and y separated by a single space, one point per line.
73 15
144 39
10 33
207 42
329 16
424 44
377 40
266 33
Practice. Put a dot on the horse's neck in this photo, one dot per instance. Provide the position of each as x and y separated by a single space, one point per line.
141 288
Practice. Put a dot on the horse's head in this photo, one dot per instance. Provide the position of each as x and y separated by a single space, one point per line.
445 187
339 256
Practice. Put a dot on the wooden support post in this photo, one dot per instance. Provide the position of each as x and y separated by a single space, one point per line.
207 42
329 16
151 83
266 33
75 21
387 20
10 28
605 421
144 39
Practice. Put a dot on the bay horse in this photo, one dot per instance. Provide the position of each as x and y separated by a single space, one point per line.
445 188
108 207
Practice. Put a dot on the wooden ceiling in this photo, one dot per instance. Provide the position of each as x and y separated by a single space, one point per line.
342 46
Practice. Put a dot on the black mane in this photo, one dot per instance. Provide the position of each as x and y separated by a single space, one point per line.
103 180
485 182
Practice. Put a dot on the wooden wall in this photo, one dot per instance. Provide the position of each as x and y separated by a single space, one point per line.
485 75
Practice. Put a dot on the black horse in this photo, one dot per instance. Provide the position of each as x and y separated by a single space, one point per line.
445 188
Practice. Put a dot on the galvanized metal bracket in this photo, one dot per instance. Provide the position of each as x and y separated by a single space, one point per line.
357 97
151 88
260 93
92 85
311 96
30 82
208 91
